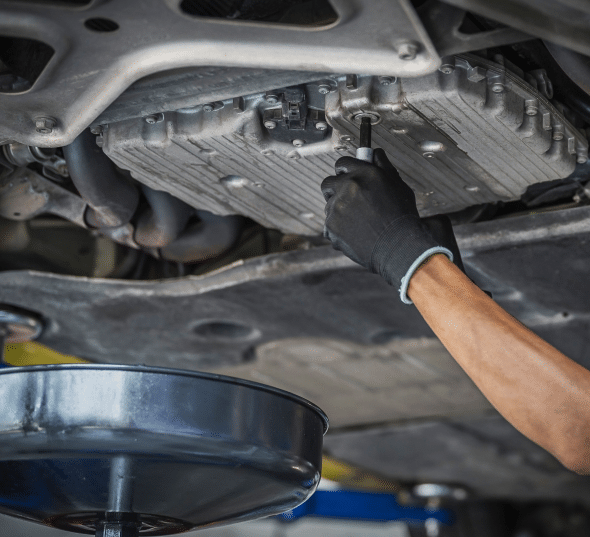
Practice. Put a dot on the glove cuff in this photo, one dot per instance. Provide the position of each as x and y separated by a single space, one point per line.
400 249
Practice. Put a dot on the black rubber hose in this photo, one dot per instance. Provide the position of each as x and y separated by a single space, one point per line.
163 221
112 200
207 239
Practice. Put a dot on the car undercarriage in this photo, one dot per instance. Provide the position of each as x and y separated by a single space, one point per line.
160 203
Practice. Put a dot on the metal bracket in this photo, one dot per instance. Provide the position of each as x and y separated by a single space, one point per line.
90 68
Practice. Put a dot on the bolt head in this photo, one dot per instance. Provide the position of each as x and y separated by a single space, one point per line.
208 107
324 89
582 159
471 188
428 154
270 124
96 130
271 99
154 118
386 80
45 125
346 138
531 110
408 51
447 69
298 143
321 125
558 136
497 87
340 148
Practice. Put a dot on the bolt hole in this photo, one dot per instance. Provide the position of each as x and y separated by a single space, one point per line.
101 25
225 331
565 314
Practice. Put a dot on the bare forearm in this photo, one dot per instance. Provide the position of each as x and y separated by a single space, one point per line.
543 393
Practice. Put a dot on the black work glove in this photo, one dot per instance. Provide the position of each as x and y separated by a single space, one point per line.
371 216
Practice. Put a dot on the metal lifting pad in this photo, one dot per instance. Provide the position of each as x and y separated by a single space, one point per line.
122 450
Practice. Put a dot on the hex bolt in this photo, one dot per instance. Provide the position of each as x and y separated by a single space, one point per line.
269 124
271 98
96 130
346 138
558 132
497 87
321 125
298 143
340 148
324 89
531 107
407 51
208 107
447 68
387 80
154 118
45 125
428 154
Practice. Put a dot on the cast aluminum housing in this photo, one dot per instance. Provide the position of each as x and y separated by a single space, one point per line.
472 134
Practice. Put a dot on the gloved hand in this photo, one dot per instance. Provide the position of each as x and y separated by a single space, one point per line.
371 216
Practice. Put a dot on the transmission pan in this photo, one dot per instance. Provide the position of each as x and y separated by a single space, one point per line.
476 133
176 449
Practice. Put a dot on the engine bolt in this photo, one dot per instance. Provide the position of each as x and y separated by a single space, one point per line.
558 132
208 107
324 89
387 80
96 130
407 51
447 69
45 125
471 188
428 154
531 107
498 87
321 125
271 98
346 138
298 143
270 124
154 118
340 148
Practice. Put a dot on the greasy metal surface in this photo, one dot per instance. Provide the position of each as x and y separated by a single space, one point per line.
80 440
455 141
187 88
225 162
483 453
89 70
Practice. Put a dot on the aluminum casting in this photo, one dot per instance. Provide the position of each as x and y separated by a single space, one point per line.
93 64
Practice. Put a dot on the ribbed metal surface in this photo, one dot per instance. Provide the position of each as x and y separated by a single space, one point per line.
221 161
455 141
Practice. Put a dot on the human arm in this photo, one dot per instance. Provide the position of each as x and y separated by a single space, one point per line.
539 390
371 216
